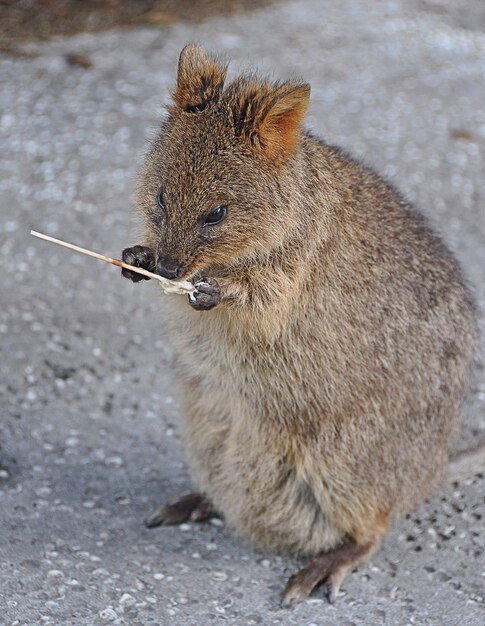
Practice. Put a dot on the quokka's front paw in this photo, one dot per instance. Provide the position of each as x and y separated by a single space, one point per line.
206 296
139 256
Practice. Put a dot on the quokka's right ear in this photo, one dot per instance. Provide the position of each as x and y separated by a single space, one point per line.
268 116
200 79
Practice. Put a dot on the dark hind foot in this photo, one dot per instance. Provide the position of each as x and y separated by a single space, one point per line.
329 568
194 507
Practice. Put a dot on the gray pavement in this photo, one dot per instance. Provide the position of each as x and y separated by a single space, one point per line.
90 424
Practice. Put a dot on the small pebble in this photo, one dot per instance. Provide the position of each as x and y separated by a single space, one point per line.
115 461
51 605
108 615
127 600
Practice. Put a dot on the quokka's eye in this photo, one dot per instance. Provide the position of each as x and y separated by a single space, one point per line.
215 216
160 198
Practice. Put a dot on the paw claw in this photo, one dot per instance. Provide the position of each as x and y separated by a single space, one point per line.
333 585
293 595
190 508
206 296
331 594
154 520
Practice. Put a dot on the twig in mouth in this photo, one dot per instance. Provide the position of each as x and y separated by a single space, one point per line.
169 286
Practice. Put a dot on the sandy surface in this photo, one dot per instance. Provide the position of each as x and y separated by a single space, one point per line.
90 424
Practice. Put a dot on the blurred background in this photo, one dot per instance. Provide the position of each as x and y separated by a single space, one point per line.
89 419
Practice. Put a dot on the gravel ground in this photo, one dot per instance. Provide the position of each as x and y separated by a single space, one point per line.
90 419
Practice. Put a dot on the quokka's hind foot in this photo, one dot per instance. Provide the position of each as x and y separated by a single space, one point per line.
193 507
329 568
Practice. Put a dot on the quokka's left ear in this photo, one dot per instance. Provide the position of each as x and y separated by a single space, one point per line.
200 79
270 118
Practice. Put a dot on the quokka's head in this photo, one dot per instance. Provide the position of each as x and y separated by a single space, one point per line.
218 183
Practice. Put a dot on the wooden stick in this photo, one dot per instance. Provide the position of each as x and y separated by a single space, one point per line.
169 286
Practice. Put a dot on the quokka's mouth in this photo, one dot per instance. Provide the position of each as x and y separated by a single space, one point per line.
192 272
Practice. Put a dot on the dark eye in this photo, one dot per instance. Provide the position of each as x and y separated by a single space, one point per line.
160 198
215 216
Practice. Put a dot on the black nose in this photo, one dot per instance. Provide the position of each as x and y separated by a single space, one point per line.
168 268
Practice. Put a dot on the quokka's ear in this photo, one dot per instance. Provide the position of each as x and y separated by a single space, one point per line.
270 118
200 79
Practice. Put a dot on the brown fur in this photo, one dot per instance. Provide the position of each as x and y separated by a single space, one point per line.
322 394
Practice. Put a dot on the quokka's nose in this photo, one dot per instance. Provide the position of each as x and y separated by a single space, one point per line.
168 268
